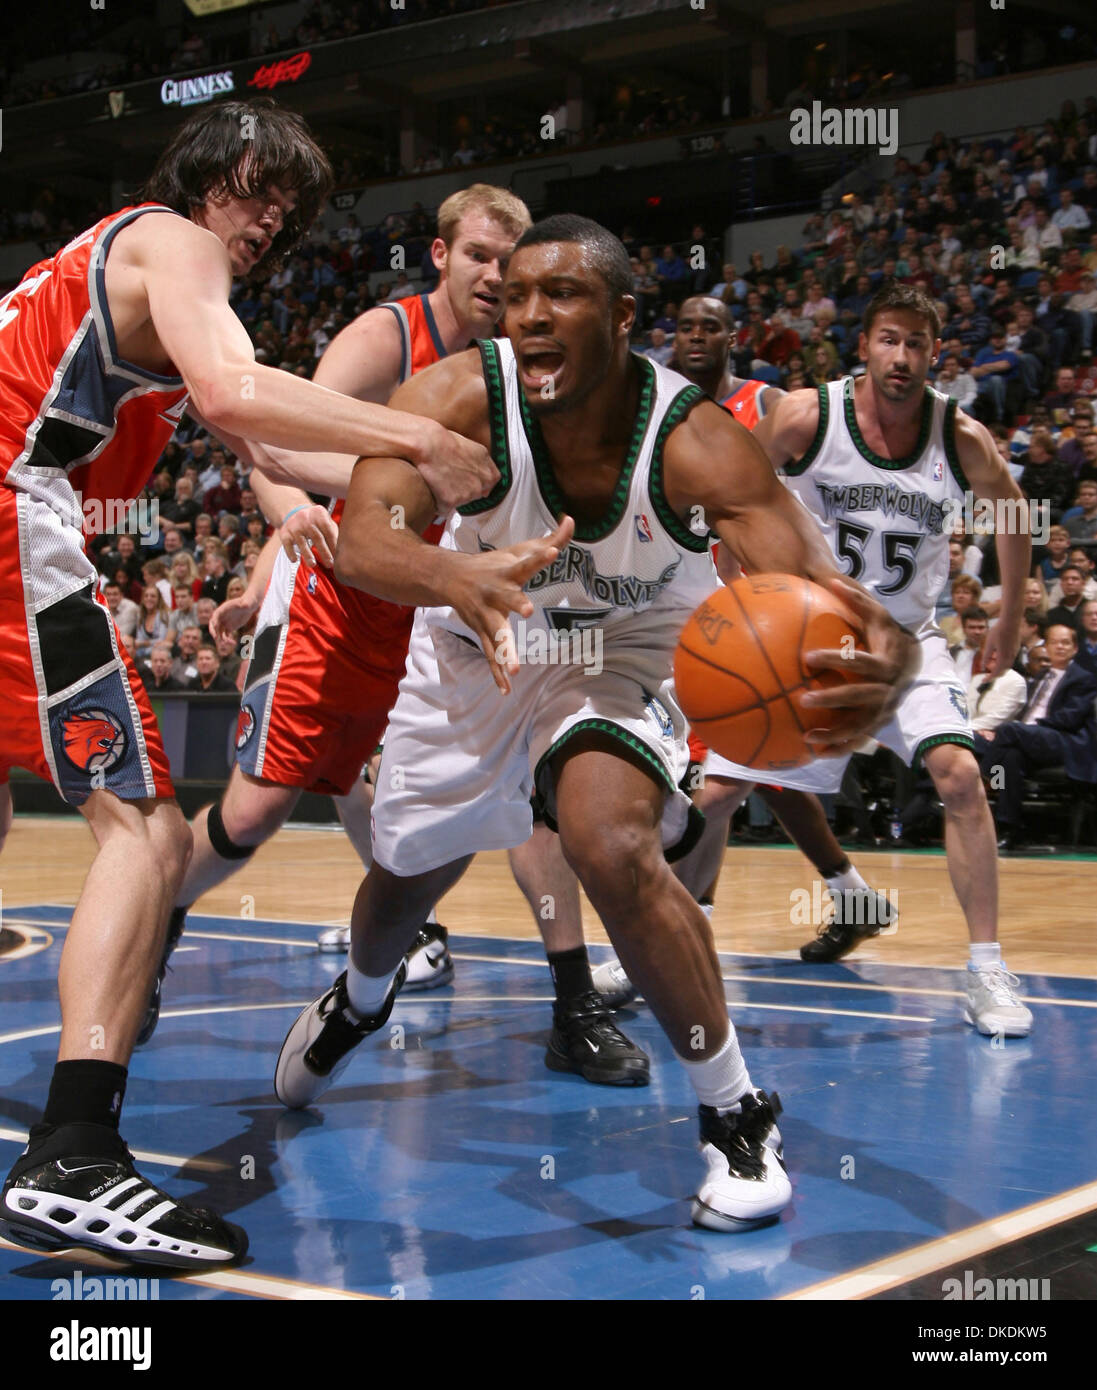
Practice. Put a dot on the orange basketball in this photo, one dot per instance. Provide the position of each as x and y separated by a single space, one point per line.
740 671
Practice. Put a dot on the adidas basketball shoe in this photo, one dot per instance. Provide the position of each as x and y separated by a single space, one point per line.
89 1201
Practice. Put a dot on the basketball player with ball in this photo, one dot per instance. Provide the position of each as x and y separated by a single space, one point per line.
702 347
328 659
617 469
883 463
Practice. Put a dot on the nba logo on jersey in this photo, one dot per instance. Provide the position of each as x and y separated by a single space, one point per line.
643 528
938 470
311 582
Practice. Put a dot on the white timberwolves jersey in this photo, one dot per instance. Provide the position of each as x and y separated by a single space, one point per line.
888 521
638 571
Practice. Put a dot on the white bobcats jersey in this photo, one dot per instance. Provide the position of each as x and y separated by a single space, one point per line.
638 572
888 521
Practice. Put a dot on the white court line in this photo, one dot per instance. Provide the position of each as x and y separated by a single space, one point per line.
210 935
413 1002
20 1136
34 940
946 1250
228 1280
899 989
790 955
739 979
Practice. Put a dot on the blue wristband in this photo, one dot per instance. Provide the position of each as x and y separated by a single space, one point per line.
294 510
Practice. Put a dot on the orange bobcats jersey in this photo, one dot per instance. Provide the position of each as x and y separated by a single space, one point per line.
349 613
745 403
328 658
75 418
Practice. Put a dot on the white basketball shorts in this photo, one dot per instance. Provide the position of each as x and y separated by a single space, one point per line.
461 760
933 710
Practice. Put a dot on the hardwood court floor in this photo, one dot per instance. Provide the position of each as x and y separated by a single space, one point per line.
913 1142
1047 903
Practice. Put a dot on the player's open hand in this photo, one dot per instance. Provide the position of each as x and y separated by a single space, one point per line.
310 534
456 469
490 589
885 668
230 616
1000 649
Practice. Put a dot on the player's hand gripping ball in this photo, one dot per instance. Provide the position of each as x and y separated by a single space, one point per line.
740 672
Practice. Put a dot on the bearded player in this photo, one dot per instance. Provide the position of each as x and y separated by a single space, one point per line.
578 425
100 349
327 659
884 463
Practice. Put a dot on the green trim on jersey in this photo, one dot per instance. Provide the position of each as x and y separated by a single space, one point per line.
963 740
617 731
546 478
951 453
497 421
892 465
797 466
671 523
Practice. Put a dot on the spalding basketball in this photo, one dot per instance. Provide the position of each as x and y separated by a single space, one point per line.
740 672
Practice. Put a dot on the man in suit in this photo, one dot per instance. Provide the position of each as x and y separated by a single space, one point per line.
1056 728
1087 636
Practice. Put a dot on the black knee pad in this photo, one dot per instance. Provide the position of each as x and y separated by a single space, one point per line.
219 837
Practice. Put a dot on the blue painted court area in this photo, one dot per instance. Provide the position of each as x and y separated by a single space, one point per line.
457 1166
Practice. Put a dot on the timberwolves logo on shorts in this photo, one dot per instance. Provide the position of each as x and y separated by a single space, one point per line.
245 726
958 700
94 740
661 715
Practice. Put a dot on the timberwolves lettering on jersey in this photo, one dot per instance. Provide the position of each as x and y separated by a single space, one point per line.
887 520
638 571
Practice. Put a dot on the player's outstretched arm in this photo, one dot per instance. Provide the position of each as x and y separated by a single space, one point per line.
381 549
786 430
991 480
715 470
184 276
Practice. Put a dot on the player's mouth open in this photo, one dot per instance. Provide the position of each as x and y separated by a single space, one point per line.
258 247
539 363
489 301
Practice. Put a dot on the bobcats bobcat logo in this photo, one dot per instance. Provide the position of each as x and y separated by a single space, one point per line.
94 740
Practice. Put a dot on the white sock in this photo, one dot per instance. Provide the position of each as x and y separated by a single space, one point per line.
721 1080
367 992
706 908
844 882
985 953
431 918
